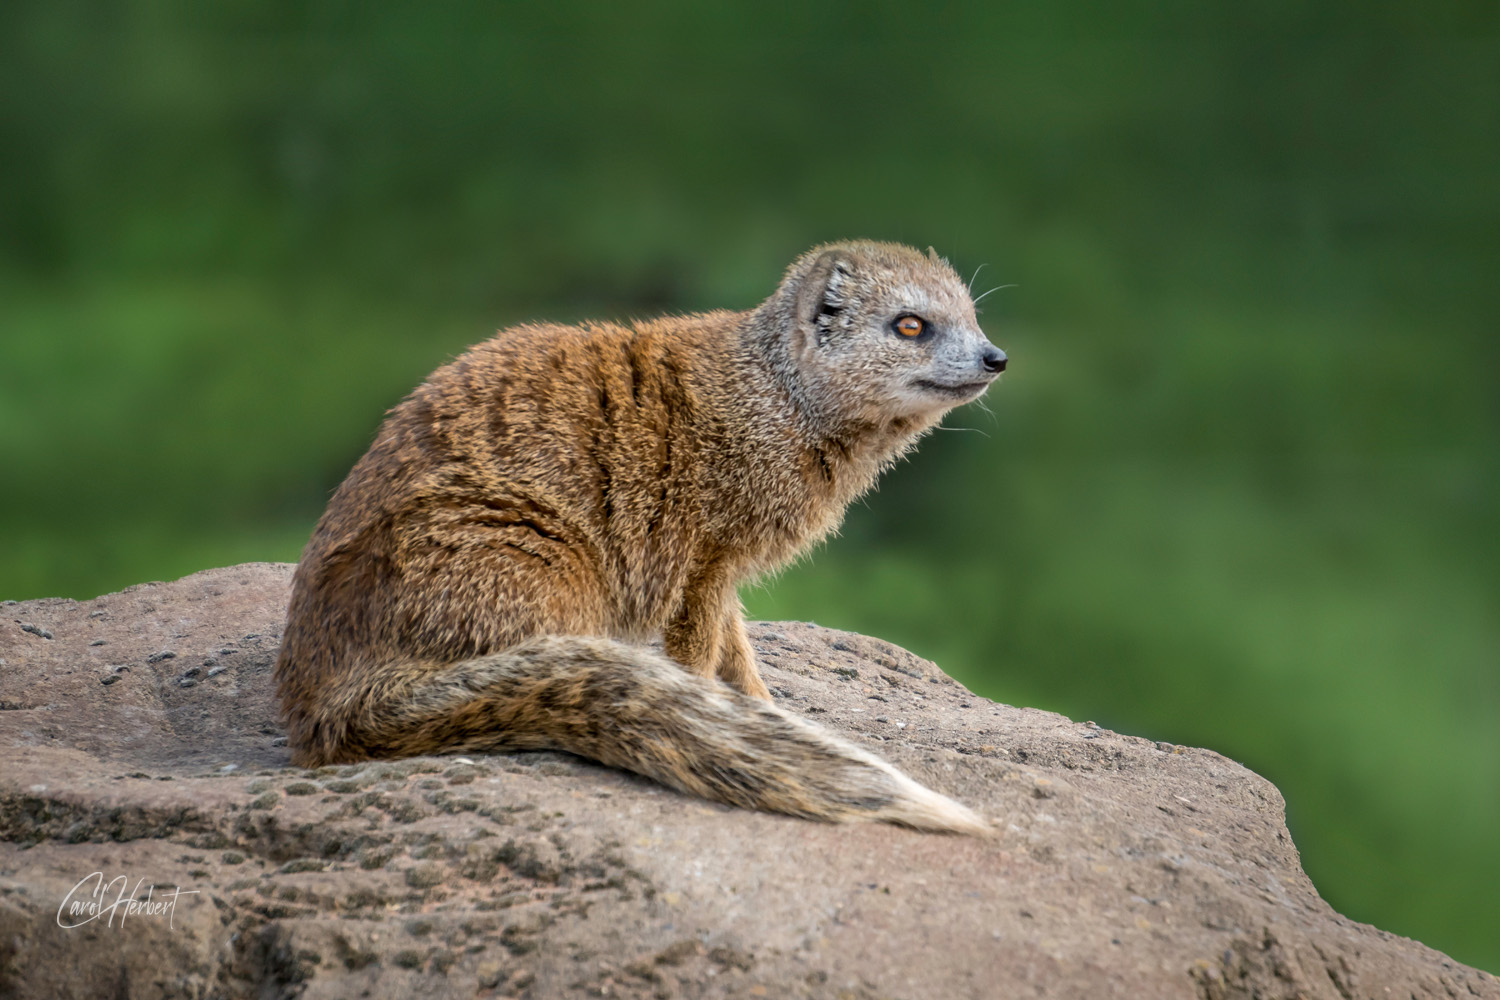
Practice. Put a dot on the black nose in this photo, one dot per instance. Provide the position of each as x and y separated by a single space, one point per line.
993 359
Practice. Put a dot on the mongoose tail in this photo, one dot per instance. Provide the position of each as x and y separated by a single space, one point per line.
631 708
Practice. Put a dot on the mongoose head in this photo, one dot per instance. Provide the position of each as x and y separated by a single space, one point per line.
883 333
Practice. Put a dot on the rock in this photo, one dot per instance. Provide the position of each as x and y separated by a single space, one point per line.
1121 868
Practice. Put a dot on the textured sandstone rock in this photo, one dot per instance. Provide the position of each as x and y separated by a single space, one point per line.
138 738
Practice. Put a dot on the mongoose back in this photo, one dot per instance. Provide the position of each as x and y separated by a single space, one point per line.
528 518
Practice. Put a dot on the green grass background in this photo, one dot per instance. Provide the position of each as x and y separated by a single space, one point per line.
1239 488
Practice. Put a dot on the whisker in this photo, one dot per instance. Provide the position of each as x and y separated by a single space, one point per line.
976 275
992 290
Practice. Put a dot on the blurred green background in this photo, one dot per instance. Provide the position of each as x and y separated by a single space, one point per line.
1238 490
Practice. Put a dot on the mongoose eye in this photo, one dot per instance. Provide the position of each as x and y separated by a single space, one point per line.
911 326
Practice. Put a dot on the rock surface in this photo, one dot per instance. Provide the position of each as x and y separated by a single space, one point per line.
139 740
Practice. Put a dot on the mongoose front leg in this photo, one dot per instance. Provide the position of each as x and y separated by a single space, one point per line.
707 635
694 634
736 659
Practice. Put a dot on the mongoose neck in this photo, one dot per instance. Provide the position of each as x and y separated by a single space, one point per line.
774 336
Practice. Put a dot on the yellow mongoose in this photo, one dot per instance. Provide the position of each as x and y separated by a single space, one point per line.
539 507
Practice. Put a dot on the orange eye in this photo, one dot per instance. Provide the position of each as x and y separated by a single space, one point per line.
910 326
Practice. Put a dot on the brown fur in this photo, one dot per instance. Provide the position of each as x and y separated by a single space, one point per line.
558 495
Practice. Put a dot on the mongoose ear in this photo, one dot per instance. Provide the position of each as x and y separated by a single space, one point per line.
824 294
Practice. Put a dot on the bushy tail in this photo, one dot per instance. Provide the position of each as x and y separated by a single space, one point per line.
628 707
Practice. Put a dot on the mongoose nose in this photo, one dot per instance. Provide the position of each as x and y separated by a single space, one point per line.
993 359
